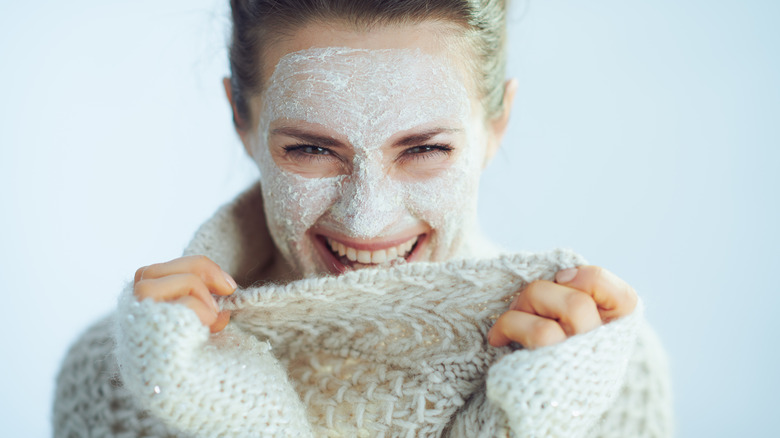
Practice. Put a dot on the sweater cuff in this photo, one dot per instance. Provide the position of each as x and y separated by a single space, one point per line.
226 384
562 390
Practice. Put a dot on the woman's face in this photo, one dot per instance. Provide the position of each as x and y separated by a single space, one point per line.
370 147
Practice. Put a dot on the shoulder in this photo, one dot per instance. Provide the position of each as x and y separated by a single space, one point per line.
90 397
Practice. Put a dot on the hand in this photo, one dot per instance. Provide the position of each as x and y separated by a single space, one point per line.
547 312
189 281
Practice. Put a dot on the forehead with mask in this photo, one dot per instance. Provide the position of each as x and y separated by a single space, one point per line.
385 144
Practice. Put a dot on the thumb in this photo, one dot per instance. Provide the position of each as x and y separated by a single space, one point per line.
223 318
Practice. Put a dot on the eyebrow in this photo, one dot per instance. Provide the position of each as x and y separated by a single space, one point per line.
422 137
307 137
324 140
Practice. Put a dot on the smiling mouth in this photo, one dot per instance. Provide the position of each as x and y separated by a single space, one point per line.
356 258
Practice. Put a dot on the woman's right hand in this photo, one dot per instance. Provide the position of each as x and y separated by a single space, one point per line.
189 281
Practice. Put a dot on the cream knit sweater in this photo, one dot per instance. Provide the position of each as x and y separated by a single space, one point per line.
378 352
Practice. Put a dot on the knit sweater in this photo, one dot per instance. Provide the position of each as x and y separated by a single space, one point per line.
400 351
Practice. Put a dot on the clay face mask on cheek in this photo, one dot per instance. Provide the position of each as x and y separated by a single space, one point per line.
367 97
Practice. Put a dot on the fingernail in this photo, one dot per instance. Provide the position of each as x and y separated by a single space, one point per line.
565 275
230 280
216 306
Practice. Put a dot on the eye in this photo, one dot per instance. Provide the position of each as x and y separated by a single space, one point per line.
426 152
309 152
307 149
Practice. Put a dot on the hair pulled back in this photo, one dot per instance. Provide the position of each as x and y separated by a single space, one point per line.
257 23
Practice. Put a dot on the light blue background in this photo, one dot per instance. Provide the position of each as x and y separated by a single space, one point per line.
645 136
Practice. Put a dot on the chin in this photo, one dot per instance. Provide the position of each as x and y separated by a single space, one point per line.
338 254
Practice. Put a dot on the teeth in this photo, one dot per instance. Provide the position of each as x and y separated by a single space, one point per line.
372 257
379 256
364 256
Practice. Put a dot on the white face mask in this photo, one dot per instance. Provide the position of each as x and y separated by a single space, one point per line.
368 98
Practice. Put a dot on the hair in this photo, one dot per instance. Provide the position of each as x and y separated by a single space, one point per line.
257 23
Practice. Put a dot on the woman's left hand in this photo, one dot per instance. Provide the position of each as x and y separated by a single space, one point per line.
547 312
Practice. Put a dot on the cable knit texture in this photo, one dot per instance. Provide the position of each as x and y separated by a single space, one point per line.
377 352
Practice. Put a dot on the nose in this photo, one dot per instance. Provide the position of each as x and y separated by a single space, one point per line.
369 203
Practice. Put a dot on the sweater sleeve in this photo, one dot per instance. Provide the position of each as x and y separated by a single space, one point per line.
90 400
643 408
563 390
227 384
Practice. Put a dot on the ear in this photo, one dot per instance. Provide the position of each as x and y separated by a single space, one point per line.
238 122
498 124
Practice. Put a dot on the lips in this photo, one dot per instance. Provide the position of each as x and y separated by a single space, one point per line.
372 257
344 256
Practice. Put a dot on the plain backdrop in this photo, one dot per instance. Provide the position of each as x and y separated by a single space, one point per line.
645 136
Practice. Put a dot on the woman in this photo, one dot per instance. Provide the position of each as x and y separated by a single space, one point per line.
370 122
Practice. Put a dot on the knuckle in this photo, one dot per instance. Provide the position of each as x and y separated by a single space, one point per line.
193 282
545 332
206 268
579 304
501 322
198 289
598 274
202 263
533 289
519 301
581 313
502 327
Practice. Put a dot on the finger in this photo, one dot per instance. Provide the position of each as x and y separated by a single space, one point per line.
575 311
139 274
613 296
222 320
206 315
530 331
171 287
218 281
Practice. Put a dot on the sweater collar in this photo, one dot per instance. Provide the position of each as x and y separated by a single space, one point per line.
236 237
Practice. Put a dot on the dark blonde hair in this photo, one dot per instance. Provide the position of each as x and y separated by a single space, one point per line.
257 23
